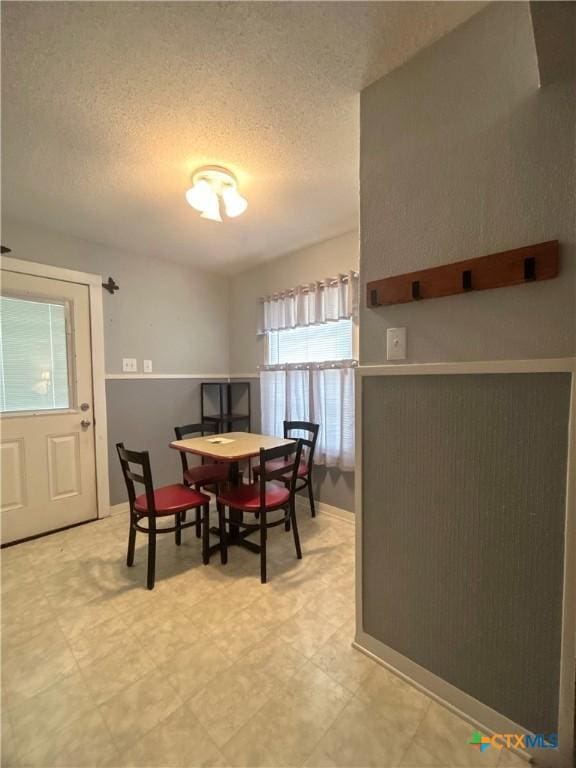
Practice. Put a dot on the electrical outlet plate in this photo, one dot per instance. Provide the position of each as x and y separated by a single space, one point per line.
396 343
147 366
129 365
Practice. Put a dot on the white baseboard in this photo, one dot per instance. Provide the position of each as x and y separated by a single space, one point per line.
479 715
326 509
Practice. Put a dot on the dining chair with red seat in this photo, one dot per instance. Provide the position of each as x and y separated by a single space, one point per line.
306 465
208 473
263 498
154 503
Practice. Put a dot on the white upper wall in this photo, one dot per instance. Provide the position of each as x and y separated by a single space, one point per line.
462 155
174 315
325 259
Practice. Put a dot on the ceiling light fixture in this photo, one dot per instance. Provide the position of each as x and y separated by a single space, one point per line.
214 191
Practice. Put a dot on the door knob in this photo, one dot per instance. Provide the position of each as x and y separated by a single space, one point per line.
85 423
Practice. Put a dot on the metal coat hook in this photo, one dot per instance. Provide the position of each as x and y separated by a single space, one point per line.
111 286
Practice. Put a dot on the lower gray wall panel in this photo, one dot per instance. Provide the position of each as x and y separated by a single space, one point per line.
142 414
463 531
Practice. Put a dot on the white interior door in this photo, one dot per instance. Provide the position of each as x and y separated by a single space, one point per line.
46 401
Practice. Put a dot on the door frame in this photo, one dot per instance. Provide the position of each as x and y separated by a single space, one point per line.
94 283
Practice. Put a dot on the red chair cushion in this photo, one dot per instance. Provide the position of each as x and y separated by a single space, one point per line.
303 467
247 497
207 473
171 499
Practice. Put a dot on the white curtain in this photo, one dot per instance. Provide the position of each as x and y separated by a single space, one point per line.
321 393
320 302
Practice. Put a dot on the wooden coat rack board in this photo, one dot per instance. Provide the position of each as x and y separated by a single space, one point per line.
521 265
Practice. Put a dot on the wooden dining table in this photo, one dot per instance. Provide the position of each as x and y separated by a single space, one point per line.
232 448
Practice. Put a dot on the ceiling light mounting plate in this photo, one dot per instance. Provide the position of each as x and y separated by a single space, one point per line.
217 176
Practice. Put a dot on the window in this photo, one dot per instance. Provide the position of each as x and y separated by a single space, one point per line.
309 371
33 355
309 377
311 343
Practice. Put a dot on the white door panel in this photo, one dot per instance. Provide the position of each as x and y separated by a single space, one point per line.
64 466
13 474
47 447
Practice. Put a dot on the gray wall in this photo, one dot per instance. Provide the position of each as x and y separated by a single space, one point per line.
463 155
463 534
143 414
316 262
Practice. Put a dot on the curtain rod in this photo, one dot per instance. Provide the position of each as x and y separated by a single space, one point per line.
307 287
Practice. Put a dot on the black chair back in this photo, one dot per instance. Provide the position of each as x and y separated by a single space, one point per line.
307 442
141 460
291 454
193 430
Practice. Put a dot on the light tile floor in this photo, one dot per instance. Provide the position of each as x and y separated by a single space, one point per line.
212 668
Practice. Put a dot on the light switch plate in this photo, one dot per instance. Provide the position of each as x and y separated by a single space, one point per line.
396 343
129 365
147 366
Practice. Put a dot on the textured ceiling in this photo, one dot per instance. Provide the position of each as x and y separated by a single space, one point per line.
108 107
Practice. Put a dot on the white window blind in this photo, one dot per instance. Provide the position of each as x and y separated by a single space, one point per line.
33 355
311 343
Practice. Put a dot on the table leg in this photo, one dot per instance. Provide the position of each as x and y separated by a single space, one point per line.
234 513
235 534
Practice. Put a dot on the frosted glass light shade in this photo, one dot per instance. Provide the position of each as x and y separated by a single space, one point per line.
234 203
211 208
199 195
